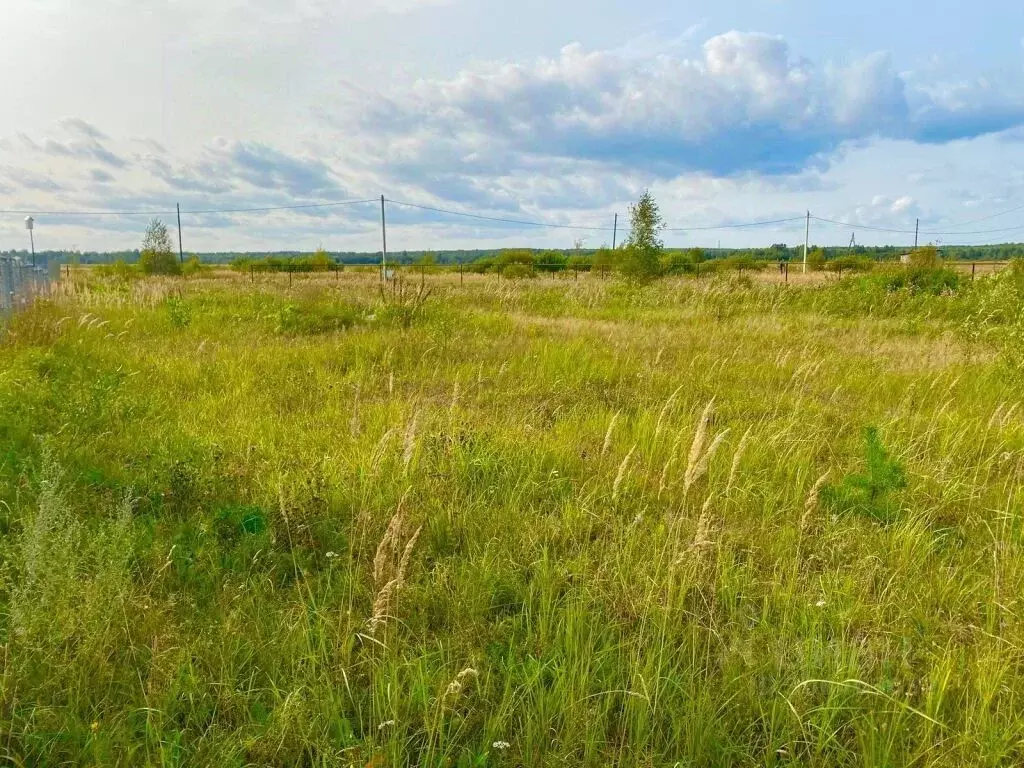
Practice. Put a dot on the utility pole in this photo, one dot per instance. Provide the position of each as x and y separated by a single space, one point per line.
917 231
384 242
615 230
181 253
807 239
30 224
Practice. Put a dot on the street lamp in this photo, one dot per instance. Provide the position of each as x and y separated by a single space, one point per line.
30 225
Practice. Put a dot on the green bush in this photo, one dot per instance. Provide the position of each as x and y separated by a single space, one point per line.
850 264
743 262
871 492
119 270
552 261
933 280
156 256
481 266
516 271
579 263
192 267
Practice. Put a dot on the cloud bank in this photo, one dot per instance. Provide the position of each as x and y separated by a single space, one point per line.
745 105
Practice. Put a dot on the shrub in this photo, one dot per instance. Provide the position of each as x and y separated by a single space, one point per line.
682 262
641 258
515 256
869 493
480 266
157 254
119 270
742 261
516 271
926 257
933 280
605 260
816 260
552 261
192 267
850 264
579 263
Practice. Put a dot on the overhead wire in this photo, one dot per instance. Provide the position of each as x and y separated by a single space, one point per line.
196 212
951 231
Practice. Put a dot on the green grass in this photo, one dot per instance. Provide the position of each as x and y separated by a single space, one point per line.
196 476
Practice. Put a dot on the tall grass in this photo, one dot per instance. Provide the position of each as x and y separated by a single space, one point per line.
540 523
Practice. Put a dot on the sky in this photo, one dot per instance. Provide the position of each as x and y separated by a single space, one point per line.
871 116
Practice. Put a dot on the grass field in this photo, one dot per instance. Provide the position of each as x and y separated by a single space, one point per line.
536 523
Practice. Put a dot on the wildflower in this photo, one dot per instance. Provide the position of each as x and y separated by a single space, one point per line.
331 555
95 727
385 724
501 745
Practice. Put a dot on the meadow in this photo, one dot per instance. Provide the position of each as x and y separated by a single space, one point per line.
551 522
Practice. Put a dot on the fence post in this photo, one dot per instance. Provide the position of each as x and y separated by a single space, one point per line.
973 265
289 268
461 278
786 272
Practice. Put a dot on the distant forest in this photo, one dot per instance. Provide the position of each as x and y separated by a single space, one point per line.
778 252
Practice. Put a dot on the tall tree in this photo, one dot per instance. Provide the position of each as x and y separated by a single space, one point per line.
157 254
641 258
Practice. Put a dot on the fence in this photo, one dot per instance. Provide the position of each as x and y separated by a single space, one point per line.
21 282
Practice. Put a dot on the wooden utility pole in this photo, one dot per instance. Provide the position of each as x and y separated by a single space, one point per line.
384 242
181 252
917 231
615 230
807 239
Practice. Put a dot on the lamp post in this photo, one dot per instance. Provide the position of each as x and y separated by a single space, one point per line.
30 225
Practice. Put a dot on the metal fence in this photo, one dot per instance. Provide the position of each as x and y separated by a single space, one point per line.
21 283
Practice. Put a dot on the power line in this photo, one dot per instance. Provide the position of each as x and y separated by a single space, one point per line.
282 207
987 218
862 226
923 231
197 212
522 222
745 225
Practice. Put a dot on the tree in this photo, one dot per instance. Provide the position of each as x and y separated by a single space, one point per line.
641 258
816 260
605 260
157 254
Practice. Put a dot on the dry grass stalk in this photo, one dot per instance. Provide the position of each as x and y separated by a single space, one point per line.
811 505
410 440
668 463
697 446
696 472
608 434
622 473
702 537
664 412
455 396
384 602
387 549
403 564
379 450
737 457
382 606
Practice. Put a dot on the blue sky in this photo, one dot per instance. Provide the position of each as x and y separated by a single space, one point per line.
556 112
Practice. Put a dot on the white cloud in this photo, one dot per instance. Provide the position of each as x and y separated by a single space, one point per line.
741 128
